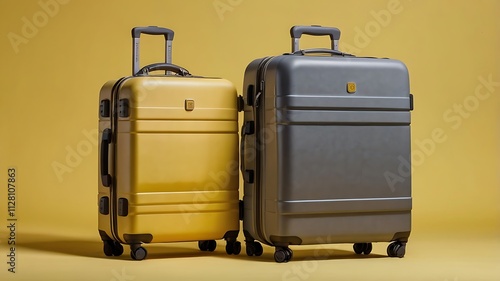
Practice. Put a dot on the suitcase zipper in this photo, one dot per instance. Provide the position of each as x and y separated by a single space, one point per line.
112 189
261 71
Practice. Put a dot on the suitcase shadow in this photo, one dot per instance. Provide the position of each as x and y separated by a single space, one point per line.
94 248
309 255
166 251
54 244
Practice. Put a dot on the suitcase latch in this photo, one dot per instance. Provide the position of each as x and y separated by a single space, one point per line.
123 207
104 108
248 176
104 205
123 108
249 128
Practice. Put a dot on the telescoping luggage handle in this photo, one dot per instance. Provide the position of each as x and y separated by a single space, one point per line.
151 30
315 30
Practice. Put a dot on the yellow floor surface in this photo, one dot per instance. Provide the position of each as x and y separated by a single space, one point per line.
440 256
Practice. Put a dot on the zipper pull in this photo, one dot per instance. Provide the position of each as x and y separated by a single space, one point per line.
261 90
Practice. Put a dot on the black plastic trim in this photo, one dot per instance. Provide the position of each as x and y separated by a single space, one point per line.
123 207
138 238
250 94
249 176
249 128
104 205
241 207
248 236
231 235
401 236
105 108
104 236
124 106
241 103
106 178
284 241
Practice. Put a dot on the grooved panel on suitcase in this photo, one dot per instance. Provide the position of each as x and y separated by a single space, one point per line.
164 140
325 130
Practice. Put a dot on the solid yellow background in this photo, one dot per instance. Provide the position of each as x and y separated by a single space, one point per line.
56 56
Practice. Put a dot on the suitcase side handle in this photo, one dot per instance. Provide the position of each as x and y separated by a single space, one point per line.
242 149
105 141
163 66
151 30
316 30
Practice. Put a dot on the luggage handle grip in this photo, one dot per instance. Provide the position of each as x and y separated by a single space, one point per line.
151 30
316 30
163 66
105 142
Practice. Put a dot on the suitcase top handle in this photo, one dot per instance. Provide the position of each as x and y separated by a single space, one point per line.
315 30
151 30
163 66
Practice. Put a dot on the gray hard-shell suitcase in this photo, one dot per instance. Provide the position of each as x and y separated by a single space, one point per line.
326 150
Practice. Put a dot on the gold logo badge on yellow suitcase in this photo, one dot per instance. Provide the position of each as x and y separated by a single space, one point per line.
189 105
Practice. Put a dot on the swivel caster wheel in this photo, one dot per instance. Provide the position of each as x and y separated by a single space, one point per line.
396 249
207 245
233 247
138 253
290 253
117 249
254 249
112 248
108 248
362 248
258 249
283 255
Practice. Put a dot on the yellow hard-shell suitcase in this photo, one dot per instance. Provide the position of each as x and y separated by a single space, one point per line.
168 163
